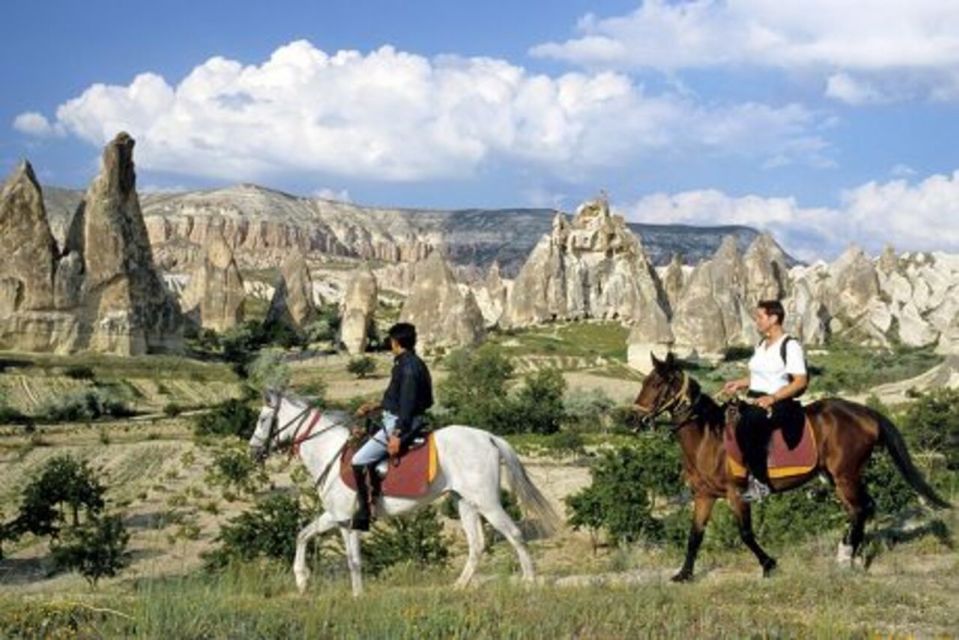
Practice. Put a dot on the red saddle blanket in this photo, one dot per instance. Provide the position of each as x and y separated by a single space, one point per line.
410 477
783 462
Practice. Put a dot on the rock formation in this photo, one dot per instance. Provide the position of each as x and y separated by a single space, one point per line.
359 304
292 305
103 293
590 267
445 314
214 298
491 296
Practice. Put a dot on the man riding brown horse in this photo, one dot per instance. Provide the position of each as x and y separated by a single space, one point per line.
845 434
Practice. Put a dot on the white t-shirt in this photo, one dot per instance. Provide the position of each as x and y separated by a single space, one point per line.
767 371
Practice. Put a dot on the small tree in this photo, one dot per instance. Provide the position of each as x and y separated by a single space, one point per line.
229 418
234 469
65 487
538 406
267 530
932 423
619 500
95 549
417 538
362 366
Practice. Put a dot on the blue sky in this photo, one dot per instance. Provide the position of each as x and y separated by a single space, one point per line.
825 122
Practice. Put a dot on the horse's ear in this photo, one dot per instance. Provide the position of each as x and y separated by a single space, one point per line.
670 360
269 396
657 363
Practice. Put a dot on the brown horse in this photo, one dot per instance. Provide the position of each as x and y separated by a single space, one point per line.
846 434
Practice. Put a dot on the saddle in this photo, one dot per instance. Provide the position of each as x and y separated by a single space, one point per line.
409 474
783 461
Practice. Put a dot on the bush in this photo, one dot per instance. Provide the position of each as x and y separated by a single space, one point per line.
269 370
268 530
538 406
415 539
172 409
587 409
619 499
79 372
87 404
235 469
362 366
476 393
931 423
64 486
95 549
229 418
565 443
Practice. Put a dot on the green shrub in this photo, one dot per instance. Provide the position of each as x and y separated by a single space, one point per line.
79 372
268 530
931 423
86 404
619 499
95 549
476 393
565 443
229 418
172 409
587 410
235 469
362 366
65 487
538 406
269 370
415 539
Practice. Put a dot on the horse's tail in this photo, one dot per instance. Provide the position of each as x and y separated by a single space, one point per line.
889 435
547 521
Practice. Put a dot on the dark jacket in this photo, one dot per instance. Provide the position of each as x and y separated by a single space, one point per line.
410 392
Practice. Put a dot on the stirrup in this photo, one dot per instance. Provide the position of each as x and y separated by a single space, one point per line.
757 490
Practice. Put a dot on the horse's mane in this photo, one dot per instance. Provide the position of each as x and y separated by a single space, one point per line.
709 413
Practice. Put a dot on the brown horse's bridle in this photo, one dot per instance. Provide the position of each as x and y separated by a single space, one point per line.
679 402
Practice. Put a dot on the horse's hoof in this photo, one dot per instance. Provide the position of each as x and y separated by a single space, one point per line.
769 567
682 576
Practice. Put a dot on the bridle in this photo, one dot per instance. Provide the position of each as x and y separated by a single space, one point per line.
298 420
680 404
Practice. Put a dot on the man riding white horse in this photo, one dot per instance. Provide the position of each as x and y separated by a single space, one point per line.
406 400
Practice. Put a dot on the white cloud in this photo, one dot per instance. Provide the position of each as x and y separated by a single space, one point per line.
339 195
392 115
34 124
916 43
845 88
919 217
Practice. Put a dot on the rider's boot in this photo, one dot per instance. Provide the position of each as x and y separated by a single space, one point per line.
361 518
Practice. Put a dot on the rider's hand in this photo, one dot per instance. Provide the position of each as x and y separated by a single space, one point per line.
364 409
730 387
765 402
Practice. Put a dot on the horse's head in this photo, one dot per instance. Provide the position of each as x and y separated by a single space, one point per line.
267 425
662 389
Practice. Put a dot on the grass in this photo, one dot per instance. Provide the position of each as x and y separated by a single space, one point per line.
807 599
574 339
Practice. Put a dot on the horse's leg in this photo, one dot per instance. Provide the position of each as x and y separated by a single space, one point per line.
473 528
300 571
744 518
351 544
702 509
859 506
500 520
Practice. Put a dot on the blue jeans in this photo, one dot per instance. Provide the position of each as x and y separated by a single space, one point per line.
374 449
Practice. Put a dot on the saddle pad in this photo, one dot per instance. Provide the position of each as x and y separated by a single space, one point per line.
410 478
782 462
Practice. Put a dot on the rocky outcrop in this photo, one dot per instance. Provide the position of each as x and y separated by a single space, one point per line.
292 305
445 314
103 293
28 252
491 295
589 267
214 297
359 305
674 279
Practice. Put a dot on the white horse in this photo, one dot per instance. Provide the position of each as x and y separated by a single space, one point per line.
468 464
